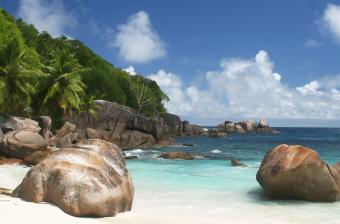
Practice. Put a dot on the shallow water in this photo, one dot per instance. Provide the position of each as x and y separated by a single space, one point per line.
213 188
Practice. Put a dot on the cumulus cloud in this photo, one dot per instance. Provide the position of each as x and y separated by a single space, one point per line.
47 15
250 88
331 21
311 43
137 40
130 70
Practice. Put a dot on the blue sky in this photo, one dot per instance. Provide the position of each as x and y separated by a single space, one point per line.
215 59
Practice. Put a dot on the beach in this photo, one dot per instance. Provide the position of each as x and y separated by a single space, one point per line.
197 191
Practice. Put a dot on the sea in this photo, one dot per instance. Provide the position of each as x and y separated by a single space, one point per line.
211 187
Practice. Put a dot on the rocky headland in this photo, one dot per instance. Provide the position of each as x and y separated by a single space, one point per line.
243 127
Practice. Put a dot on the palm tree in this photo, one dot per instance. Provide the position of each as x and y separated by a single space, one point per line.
16 78
89 109
64 86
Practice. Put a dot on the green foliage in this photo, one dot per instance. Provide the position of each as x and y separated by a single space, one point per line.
65 86
57 75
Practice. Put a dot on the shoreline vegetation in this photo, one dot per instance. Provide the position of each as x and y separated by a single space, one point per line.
42 75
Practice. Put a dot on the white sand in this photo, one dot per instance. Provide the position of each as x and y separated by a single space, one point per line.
168 207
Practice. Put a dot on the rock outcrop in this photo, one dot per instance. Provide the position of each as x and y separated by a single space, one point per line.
192 130
297 172
10 123
45 123
19 144
177 155
66 136
216 133
247 126
128 129
89 179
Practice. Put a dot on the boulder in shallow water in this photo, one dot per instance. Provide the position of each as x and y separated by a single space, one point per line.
297 172
235 162
176 155
89 179
19 144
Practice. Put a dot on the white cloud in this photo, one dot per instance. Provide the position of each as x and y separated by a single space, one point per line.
331 21
249 88
310 88
137 41
311 43
47 15
131 70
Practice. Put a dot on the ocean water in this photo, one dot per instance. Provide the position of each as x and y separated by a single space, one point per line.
213 188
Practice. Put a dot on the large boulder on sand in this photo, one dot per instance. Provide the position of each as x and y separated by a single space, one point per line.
176 155
297 172
19 144
88 180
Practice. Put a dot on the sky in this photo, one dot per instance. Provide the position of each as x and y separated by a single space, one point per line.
216 60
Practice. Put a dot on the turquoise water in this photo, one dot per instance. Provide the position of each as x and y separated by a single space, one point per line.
213 187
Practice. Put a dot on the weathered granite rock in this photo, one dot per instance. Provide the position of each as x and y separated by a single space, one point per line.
130 157
9 161
94 134
11 123
192 129
45 123
36 157
113 120
263 123
297 172
247 126
133 139
19 144
216 133
176 155
239 129
188 144
66 136
235 162
88 180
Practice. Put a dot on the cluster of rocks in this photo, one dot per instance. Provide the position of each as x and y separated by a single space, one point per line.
21 140
243 127
83 177
128 129
297 172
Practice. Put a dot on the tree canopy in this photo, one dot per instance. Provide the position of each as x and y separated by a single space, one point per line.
40 74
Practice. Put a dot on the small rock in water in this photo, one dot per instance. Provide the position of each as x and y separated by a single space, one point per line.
130 157
235 162
176 155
